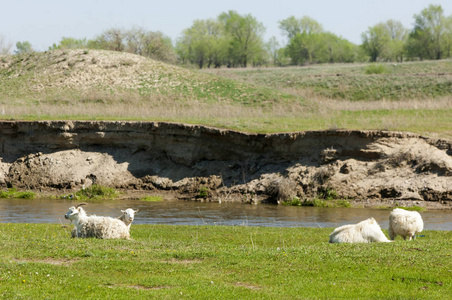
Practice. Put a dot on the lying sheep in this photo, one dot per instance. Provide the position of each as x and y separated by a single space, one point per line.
404 223
364 232
96 226
128 216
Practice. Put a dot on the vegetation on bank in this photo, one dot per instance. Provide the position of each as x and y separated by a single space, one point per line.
219 262
103 85
95 192
364 82
14 193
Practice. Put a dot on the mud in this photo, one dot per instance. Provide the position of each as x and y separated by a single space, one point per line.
190 162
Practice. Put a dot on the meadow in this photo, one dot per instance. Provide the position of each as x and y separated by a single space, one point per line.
102 85
41 261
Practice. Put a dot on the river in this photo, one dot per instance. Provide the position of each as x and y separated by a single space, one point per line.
199 213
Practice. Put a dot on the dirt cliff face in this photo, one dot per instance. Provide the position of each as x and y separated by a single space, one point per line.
201 162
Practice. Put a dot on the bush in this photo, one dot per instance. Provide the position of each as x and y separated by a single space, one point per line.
96 192
13 193
152 199
376 69
204 192
282 190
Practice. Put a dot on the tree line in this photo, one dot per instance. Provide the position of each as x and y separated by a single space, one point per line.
235 40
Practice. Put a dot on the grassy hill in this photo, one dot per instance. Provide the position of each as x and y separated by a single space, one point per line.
62 76
355 82
105 85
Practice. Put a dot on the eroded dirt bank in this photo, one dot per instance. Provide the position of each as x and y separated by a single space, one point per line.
193 162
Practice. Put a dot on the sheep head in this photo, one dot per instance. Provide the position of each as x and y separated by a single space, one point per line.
129 215
75 211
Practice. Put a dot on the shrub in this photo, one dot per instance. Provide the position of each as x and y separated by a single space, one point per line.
328 194
282 190
375 69
295 201
13 193
96 192
203 192
343 203
412 208
152 199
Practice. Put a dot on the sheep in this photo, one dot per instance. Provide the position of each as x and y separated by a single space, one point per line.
404 223
364 232
128 216
96 226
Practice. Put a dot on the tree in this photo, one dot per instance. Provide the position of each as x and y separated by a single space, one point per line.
152 44
69 43
111 39
309 43
291 26
324 47
447 41
275 52
5 46
429 34
23 47
203 43
374 41
245 36
394 49
139 41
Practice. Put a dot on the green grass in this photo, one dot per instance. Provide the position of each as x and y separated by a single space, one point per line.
376 69
318 202
13 193
96 192
41 261
102 85
356 82
152 199
135 79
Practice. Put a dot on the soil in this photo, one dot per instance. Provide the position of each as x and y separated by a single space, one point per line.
191 162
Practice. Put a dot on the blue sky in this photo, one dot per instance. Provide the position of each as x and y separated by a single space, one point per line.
45 22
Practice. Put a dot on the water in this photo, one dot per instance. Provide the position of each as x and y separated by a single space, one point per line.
197 213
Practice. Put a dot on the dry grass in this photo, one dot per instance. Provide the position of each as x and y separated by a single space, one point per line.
102 85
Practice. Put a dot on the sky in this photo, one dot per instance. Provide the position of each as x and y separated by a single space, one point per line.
45 22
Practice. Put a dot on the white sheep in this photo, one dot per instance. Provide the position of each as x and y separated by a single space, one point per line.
364 232
404 223
128 216
96 226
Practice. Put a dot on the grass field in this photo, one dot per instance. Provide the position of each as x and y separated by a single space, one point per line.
102 85
41 261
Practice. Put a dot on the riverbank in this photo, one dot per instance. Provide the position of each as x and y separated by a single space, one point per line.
187 262
192 162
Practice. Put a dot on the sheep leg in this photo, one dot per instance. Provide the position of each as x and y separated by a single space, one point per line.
392 236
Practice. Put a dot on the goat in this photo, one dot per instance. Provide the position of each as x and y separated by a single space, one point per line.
96 226
405 223
364 232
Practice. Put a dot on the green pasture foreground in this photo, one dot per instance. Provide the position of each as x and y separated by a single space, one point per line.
41 261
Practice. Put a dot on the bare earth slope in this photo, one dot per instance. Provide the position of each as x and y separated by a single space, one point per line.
369 167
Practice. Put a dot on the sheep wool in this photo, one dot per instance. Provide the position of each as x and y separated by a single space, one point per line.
96 226
405 223
366 231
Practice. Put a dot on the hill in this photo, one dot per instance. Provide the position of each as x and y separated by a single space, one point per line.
105 85
355 82
74 75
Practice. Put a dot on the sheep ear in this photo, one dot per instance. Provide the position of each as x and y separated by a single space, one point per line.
123 211
137 210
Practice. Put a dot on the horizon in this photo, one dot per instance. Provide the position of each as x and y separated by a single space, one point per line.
45 25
